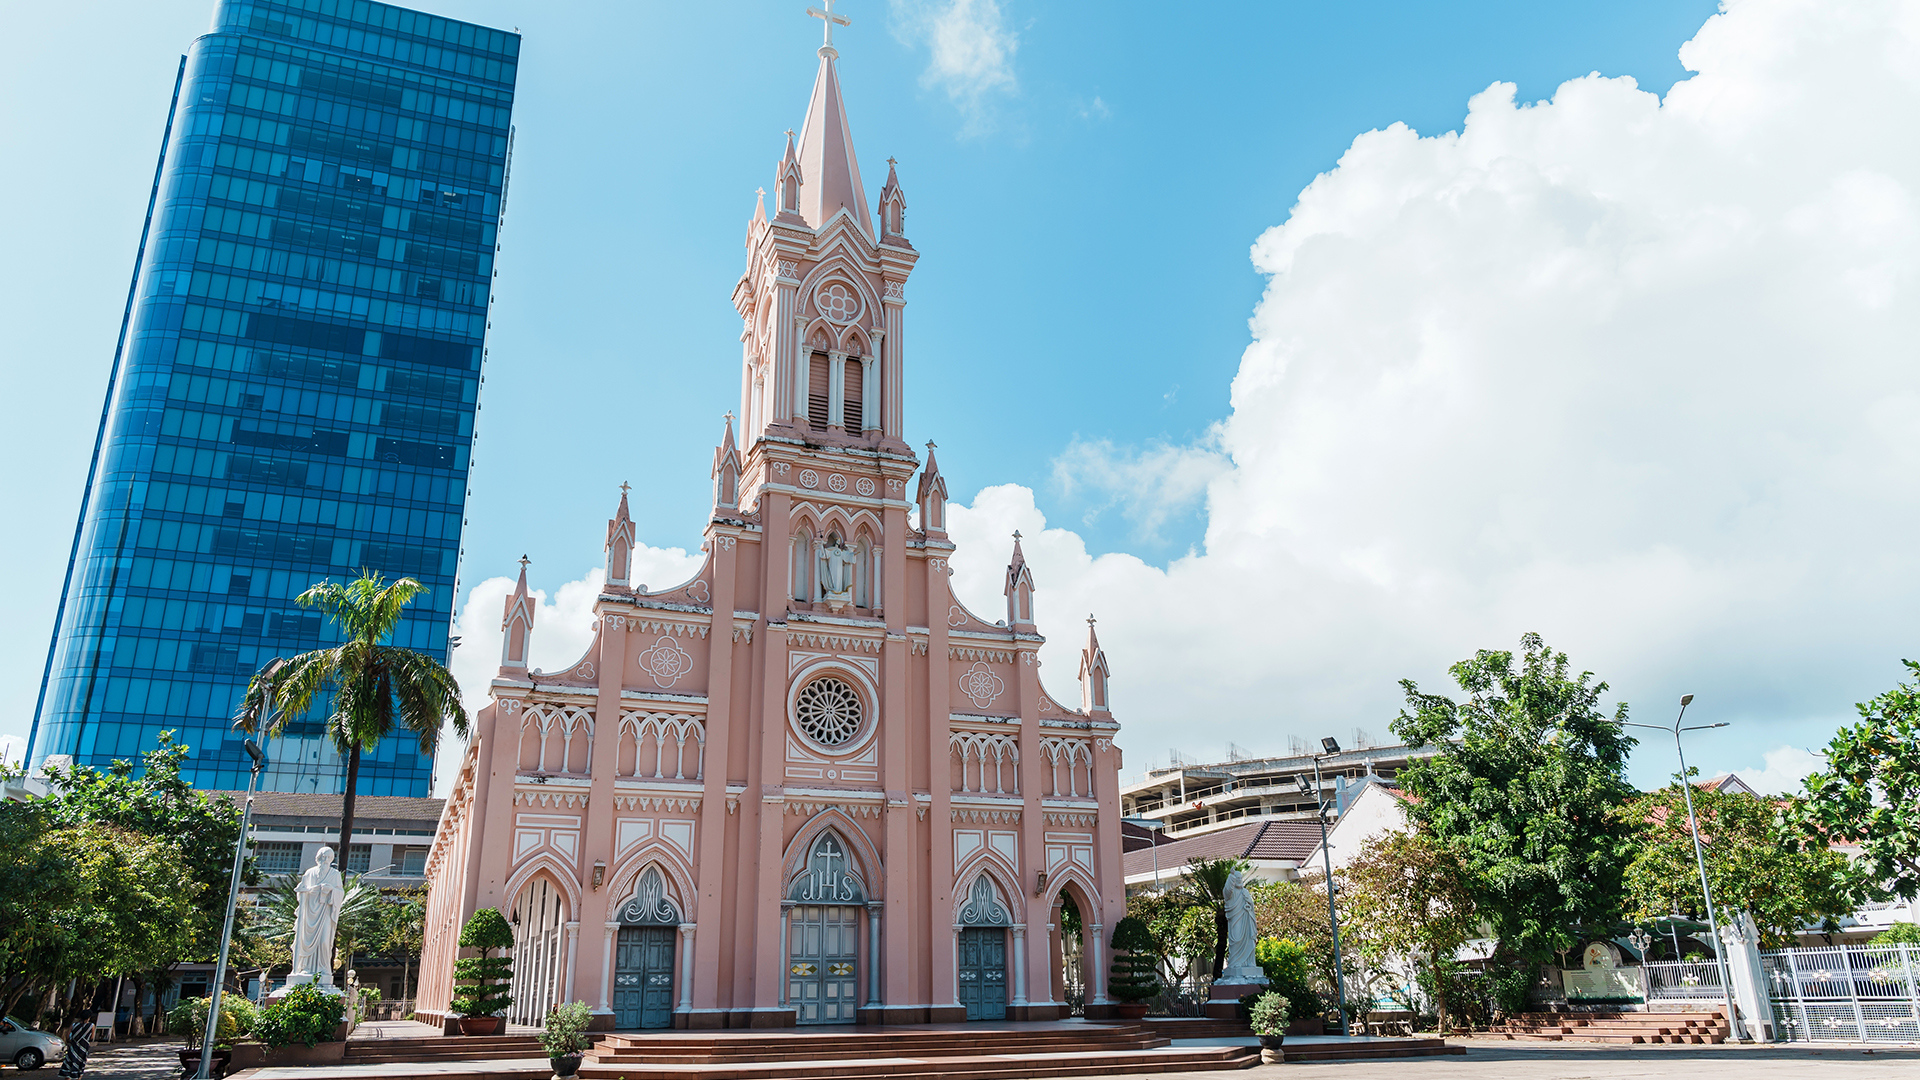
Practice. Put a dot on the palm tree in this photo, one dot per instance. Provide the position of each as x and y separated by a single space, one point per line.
373 685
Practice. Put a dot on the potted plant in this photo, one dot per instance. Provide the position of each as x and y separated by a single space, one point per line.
483 978
190 1018
1269 1019
1134 978
566 1036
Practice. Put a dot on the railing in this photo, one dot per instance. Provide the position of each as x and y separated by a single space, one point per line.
1848 993
1673 980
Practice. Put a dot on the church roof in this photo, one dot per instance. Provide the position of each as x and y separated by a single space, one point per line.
829 171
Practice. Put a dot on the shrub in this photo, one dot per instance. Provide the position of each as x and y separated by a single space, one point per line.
306 1015
566 1029
1271 1012
1285 963
1134 975
484 978
238 1018
1905 933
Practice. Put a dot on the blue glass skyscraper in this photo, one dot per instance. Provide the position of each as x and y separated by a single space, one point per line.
295 392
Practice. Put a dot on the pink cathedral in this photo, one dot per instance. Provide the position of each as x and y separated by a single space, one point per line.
809 785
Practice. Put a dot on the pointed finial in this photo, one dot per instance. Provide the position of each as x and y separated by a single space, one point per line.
891 161
831 18
1016 534
1089 620
930 444
789 134
524 561
624 488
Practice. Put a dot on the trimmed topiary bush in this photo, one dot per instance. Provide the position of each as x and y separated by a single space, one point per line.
1135 973
484 978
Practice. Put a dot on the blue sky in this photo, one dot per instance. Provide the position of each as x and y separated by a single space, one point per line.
1084 181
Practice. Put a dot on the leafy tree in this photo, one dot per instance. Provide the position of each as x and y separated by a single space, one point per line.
403 930
1523 788
1286 965
1405 895
1752 864
484 978
1206 885
1132 976
1183 933
1905 933
1869 793
372 686
1296 911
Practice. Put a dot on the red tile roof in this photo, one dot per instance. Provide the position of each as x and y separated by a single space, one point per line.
1288 841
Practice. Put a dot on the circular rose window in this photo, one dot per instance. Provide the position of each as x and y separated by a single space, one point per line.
828 711
837 302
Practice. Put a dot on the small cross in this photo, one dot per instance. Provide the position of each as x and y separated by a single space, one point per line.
624 488
524 561
890 161
1016 534
789 134
930 444
830 18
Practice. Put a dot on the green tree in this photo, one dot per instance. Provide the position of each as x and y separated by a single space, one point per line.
1183 933
1296 911
1523 788
484 978
1287 966
403 930
372 686
1869 793
1406 895
1905 933
1752 864
1132 976
1206 884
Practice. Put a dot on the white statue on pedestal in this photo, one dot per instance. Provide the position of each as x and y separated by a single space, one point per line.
1241 966
836 573
321 893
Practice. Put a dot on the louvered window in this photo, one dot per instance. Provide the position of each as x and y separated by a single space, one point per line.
817 394
855 373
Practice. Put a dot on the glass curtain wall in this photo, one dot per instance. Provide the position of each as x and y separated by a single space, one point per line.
300 379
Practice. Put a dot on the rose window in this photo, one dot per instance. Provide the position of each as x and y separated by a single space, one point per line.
828 711
837 302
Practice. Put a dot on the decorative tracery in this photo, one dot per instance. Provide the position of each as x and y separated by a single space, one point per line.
828 711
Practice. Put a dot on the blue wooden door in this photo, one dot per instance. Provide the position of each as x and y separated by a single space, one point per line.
983 973
643 977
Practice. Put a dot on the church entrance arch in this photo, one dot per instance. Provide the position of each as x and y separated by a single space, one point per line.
643 955
822 929
982 946
538 917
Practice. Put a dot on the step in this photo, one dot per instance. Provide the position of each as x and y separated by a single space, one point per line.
953 1067
1382 1048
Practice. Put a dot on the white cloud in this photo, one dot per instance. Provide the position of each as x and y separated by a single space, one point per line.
970 51
1149 485
1637 374
1785 767
562 631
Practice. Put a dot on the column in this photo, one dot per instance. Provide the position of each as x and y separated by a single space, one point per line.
686 968
1019 934
837 389
786 958
873 953
1094 973
606 970
801 367
869 392
891 420
573 955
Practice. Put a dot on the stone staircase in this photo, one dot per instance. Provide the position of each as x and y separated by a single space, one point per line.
952 1052
1618 1027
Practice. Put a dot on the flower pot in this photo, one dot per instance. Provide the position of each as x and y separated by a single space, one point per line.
567 1064
481 1025
190 1062
1273 1042
1131 1010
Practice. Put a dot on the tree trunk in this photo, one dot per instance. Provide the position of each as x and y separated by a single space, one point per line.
1219 939
1440 995
346 824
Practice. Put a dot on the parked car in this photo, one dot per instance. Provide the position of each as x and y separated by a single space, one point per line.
28 1047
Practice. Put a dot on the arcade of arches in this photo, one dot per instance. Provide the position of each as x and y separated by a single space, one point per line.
808 785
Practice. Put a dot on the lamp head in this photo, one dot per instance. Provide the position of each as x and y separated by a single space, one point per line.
253 751
1305 785
1330 744
1686 700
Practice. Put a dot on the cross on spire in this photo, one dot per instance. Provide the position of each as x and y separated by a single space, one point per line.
524 561
624 488
830 18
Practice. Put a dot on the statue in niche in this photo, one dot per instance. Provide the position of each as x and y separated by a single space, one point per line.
1241 966
837 562
321 892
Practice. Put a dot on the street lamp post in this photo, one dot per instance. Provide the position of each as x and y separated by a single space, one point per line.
1329 746
1700 857
1151 826
208 1036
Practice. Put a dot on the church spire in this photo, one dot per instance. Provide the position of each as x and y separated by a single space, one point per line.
516 625
932 497
1019 590
620 544
1093 673
726 471
826 144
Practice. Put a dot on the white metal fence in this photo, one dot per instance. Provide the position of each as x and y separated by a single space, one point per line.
1846 993
1682 981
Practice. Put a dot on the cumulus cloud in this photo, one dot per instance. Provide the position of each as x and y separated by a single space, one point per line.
1783 769
562 630
970 52
1637 374
1149 485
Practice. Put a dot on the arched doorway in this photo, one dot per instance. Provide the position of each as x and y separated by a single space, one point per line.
982 925
822 931
643 955
538 918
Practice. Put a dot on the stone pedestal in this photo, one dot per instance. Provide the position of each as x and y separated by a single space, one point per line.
1224 1002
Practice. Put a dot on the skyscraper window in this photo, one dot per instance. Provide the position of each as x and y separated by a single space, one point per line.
295 392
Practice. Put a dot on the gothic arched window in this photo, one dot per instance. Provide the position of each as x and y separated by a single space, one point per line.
802 565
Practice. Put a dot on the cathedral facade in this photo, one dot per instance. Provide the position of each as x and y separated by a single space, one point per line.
808 785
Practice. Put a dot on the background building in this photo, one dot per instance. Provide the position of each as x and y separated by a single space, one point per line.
1195 799
295 392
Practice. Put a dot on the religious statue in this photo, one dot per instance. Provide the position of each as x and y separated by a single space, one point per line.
1241 966
321 892
836 573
